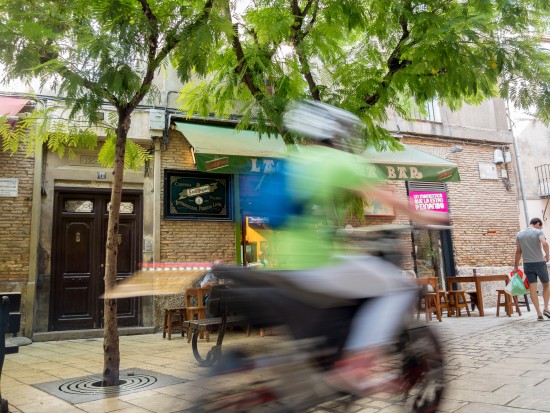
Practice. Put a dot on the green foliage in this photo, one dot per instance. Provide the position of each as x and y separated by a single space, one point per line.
371 56
60 135
135 155
93 53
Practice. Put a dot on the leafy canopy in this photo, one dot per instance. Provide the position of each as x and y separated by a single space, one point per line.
369 56
98 52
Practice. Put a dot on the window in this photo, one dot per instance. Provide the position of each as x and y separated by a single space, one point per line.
431 112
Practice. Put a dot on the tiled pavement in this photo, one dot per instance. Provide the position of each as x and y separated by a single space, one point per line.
494 365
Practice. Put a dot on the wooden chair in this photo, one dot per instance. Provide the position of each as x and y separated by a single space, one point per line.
173 319
442 297
507 303
195 308
428 300
457 300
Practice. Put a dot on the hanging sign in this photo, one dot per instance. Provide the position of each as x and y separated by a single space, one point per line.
192 195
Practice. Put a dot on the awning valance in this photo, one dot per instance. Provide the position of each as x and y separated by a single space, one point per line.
11 106
226 150
410 164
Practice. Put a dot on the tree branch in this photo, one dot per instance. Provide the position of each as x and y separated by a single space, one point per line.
171 43
297 37
394 63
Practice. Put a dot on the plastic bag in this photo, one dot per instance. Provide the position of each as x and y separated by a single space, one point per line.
516 286
523 277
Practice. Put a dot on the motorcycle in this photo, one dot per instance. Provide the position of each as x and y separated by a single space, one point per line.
292 377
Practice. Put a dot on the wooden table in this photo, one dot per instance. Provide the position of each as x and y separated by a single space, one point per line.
477 280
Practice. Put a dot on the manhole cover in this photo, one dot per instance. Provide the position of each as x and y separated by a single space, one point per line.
88 388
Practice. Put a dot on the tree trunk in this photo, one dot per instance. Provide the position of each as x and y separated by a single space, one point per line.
111 350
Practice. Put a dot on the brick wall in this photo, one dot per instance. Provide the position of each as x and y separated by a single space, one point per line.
15 222
484 213
189 240
15 225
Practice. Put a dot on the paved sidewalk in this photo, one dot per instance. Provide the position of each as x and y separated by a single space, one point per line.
494 365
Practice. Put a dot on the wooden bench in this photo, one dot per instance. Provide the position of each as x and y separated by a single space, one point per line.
210 325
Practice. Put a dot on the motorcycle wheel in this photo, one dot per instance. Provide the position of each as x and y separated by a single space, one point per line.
423 370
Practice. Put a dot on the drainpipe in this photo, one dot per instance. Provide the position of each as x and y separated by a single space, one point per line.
518 162
36 208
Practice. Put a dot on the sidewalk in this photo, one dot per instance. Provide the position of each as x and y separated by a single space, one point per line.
494 365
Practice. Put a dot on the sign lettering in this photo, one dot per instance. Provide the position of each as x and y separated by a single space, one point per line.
9 187
428 201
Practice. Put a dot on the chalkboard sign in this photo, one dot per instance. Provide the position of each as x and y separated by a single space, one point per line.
197 196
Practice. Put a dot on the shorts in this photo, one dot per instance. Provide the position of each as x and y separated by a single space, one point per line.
533 270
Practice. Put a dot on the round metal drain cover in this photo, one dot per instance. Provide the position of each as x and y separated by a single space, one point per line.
90 385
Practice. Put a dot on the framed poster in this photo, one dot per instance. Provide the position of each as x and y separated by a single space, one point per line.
197 196
376 208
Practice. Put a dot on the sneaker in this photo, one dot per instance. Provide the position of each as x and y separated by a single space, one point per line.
540 318
363 375
546 313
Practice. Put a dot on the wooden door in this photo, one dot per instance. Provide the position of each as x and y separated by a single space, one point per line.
78 258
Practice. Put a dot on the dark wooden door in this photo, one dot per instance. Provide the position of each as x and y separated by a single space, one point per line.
78 258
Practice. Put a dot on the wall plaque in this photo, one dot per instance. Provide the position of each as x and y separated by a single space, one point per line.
9 187
487 170
197 196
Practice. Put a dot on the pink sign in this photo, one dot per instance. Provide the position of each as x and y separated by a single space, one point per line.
428 201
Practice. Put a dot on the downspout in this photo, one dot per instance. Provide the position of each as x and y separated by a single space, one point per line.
36 209
518 162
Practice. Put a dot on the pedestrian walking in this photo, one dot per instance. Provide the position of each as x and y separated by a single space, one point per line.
530 243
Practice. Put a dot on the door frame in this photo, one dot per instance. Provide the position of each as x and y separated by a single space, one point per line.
83 191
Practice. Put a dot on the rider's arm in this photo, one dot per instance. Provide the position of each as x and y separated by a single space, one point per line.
420 217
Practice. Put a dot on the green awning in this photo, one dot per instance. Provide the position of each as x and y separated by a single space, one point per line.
226 150
410 164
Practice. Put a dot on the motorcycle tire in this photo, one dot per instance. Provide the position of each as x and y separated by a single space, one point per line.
423 369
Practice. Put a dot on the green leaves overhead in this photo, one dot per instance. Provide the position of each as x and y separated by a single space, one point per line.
371 56
101 52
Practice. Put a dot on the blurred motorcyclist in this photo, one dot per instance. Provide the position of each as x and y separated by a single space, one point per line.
319 174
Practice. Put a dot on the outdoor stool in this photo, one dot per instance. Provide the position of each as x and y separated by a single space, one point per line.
429 307
428 297
444 302
457 300
173 318
507 303
195 308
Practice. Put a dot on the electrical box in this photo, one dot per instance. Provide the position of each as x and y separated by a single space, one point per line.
156 119
498 156
507 157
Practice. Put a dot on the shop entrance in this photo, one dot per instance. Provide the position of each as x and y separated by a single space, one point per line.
432 249
78 257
